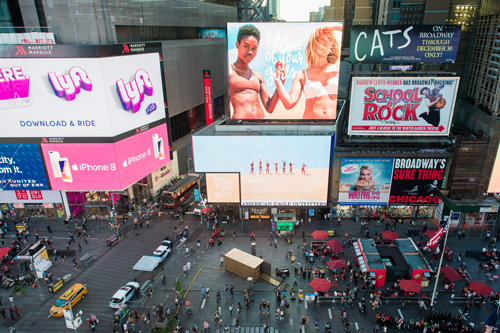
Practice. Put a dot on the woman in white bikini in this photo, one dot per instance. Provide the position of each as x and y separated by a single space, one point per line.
319 81
247 89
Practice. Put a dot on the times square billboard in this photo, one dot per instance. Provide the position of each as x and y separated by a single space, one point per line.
273 170
284 70
404 44
90 123
402 105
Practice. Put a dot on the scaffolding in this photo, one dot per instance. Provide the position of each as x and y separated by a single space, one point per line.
469 167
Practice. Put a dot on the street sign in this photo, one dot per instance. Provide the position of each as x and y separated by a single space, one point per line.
197 194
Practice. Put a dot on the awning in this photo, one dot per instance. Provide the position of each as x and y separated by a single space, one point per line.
147 264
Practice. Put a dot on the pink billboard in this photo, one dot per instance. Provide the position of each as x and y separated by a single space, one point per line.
106 166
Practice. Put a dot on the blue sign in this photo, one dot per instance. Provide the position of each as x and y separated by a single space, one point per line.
404 43
21 168
311 211
197 194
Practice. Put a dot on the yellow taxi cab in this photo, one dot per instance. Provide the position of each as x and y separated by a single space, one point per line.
71 296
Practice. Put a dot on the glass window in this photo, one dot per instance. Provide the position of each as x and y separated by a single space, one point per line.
396 4
394 17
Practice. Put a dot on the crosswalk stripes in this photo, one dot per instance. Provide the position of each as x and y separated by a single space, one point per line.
356 324
291 321
250 329
330 313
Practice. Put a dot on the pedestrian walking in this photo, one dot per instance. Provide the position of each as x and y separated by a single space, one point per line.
49 229
252 238
11 300
231 290
79 247
403 302
316 324
3 313
11 314
226 289
231 310
16 311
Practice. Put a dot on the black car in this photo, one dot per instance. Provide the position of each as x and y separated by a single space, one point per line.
183 208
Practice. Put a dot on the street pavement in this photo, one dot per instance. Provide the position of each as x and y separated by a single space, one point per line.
113 268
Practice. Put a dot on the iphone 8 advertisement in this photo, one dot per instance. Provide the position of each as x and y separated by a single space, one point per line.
105 166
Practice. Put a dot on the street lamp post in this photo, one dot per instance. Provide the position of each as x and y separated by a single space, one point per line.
440 263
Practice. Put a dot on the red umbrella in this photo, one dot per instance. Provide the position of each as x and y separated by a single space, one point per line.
430 233
334 245
4 251
337 264
390 235
320 234
451 273
480 288
320 284
410 286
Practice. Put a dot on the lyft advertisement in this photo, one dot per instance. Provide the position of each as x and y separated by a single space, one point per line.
365 181
417 180
105 166
274 170
284 70
402 106
21 168
80 97
403 43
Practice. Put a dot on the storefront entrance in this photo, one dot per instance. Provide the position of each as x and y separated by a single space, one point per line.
35 210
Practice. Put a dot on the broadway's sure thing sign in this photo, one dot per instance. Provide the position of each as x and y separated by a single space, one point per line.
402 43
417 180
402 106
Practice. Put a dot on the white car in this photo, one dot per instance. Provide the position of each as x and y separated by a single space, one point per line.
167 243
161 252
124 294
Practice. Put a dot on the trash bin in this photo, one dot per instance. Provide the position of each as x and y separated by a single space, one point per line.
67 277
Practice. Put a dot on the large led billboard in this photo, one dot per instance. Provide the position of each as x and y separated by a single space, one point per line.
365 181
223 187
21 168
402 105
80 97
106 166
284 70
417 180
494 186
274 170
404 43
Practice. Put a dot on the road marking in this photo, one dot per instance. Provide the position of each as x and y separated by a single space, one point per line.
356 324
234 322
330 313
303 329
305 304
401 315
425 306
359 303
291 321
203 303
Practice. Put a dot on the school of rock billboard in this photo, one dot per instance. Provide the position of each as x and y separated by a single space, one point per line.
404 44
402 105
417 180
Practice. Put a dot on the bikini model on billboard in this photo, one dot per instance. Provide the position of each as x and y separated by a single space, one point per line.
319 81
245 85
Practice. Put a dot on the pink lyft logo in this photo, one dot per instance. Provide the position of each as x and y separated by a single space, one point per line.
13 84
69 84
132 93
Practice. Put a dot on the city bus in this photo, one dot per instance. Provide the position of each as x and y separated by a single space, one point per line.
181 191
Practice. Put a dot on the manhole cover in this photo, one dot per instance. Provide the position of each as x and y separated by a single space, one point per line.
171 227
142 241
33 324
137 234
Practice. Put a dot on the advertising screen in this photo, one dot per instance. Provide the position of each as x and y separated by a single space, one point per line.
417 180
223 187
284 70
402 106
403 43
365 181
106 166
494 186
21 168
274 170
80 97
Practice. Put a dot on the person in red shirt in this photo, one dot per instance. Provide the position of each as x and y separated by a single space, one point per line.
276 167
252 238
251 169
267 167
302 168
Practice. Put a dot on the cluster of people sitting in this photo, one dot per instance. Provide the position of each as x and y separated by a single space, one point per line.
442 322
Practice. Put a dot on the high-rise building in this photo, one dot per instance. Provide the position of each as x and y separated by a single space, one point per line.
274 9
